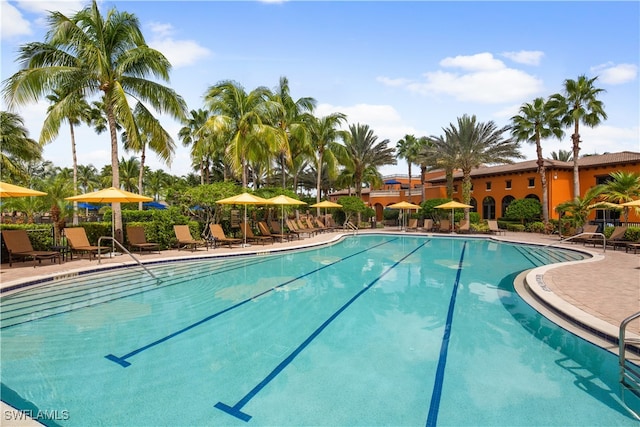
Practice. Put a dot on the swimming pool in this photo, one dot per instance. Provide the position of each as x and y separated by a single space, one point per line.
374 330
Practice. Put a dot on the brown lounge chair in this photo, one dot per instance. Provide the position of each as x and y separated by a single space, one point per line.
138 240
588 228
79 243
428 225
463 227
247 232
19 246
493 227
412 224
264 230
445 226
219 238
294 228
275 226
186 240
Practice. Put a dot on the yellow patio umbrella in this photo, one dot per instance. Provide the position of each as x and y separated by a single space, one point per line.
453 205
326 204
110 195
404 205
244 199
11 190
283 200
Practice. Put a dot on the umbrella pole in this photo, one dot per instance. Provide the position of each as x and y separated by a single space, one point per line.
244 235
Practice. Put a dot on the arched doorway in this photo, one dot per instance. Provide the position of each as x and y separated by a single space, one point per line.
506 201
489 208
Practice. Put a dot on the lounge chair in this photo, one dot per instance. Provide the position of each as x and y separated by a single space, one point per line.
321 225
19 246
247 232
493 227
445 226
219 238
463 227
264 231
79 243
138 240
428 225
412 224
303 225
588 228
275 226
615 240
186 240
296 229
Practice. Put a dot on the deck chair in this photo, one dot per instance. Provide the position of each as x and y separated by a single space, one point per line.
19 246
247 232
428 225
493 227
617 240
219 238
463 227
322 226
138 240
186 240
304 228
445 226
294 228
275 226
588 228
412 224
264 230
79 243
311 226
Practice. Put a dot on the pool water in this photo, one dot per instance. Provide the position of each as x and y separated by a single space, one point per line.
374 330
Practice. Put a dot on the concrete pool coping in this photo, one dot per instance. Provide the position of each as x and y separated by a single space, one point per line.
589 298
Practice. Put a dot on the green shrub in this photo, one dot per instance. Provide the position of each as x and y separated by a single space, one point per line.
632 234
524 210
536 227
474 218
515 227
391 214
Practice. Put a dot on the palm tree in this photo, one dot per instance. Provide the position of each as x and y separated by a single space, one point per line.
73 108
88 178
624 187
157 182
16 147
325 133
534 123
203 145
408 148
291 120
579 104
130 171
152 134
479 143
562 155
442 152
580 207
243 119
365 154
88 54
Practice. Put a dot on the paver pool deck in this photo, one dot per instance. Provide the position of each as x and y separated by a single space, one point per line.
591 298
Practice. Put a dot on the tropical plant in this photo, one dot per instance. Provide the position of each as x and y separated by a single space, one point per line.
243 121
441 152
16 148
477 144
579 207
524 210
88 54
578 104
408 149
562 155
623 187
535 123
204 147
365 155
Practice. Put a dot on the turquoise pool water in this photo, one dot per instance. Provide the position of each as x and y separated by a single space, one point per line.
374 330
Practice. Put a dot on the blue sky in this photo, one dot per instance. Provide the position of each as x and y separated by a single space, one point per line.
400 67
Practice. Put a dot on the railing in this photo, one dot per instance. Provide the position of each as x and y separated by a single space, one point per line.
115 242
629 374
604 239
349 225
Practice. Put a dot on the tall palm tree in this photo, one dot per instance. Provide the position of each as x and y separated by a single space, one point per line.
534 123
290 119
151 134
244 121
157 183
325 133
203 145
16 148
88 178
74 109
479 143
364 153
408 148
579 104
443 153
88 54
623 187
562 155
130 170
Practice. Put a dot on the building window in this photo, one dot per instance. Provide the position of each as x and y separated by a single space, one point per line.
455 188
506 201
532 182
488 185
508 184
603 179
489 208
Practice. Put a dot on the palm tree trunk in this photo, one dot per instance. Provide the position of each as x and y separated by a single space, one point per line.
74 158
115 172
319 180
543 182
466 192
141 174
409 199
423 171
575 138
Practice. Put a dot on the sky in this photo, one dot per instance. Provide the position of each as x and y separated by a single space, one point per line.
403 68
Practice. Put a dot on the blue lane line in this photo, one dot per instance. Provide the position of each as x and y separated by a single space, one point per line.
432 418
235 410
122 359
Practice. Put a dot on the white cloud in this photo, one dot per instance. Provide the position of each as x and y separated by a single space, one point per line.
478 62
180 53
393 82
43 7
12 22
527 57
615 74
